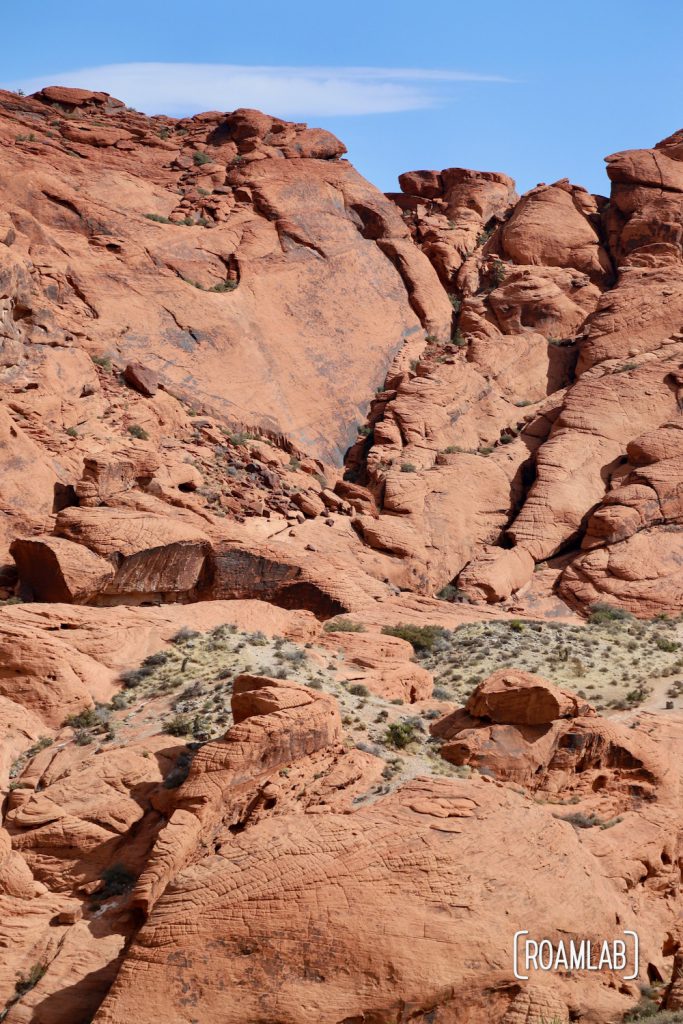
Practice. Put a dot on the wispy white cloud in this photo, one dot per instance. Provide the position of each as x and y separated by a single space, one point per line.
183 89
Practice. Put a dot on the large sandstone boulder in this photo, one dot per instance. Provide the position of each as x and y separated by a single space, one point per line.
519 727
556 226
385 665
55 569
513 697
151 554
496 574
277 723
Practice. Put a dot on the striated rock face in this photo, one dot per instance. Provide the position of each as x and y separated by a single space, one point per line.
643 574
255 417
384 892
216 234
276 724
565 304
500 429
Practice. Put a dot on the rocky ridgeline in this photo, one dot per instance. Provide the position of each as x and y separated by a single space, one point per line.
303 486
531 403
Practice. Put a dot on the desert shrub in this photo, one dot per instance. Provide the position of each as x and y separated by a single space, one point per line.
452 593
498 271
400 735
135 430
368 748
637 695
224 630
184 634
601 613
343 626
158 218
224 286
201 158
663 644
178 725
408 467
104 362
118 702
157 659
179 771
86 719
516 625
25 982
72 432
422 638
359 690
458 339
240 437
134 676
648 1009
579 820
439 693
40 744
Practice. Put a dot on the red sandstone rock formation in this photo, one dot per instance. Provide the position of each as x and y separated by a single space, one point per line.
197 319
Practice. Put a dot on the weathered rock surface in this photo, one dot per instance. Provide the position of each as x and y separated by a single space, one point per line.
383 664
269 220
518 698
643 574
197 319
404 860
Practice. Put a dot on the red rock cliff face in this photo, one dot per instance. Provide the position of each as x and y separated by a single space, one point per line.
222 766
236 254
569 308
237 266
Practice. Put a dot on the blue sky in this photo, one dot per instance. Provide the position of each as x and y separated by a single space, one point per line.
538 90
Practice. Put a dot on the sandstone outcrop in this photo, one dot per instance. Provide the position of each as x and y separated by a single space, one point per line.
383 664
519 727
385 891
643 574
256 417
269 217
517 698
276 723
